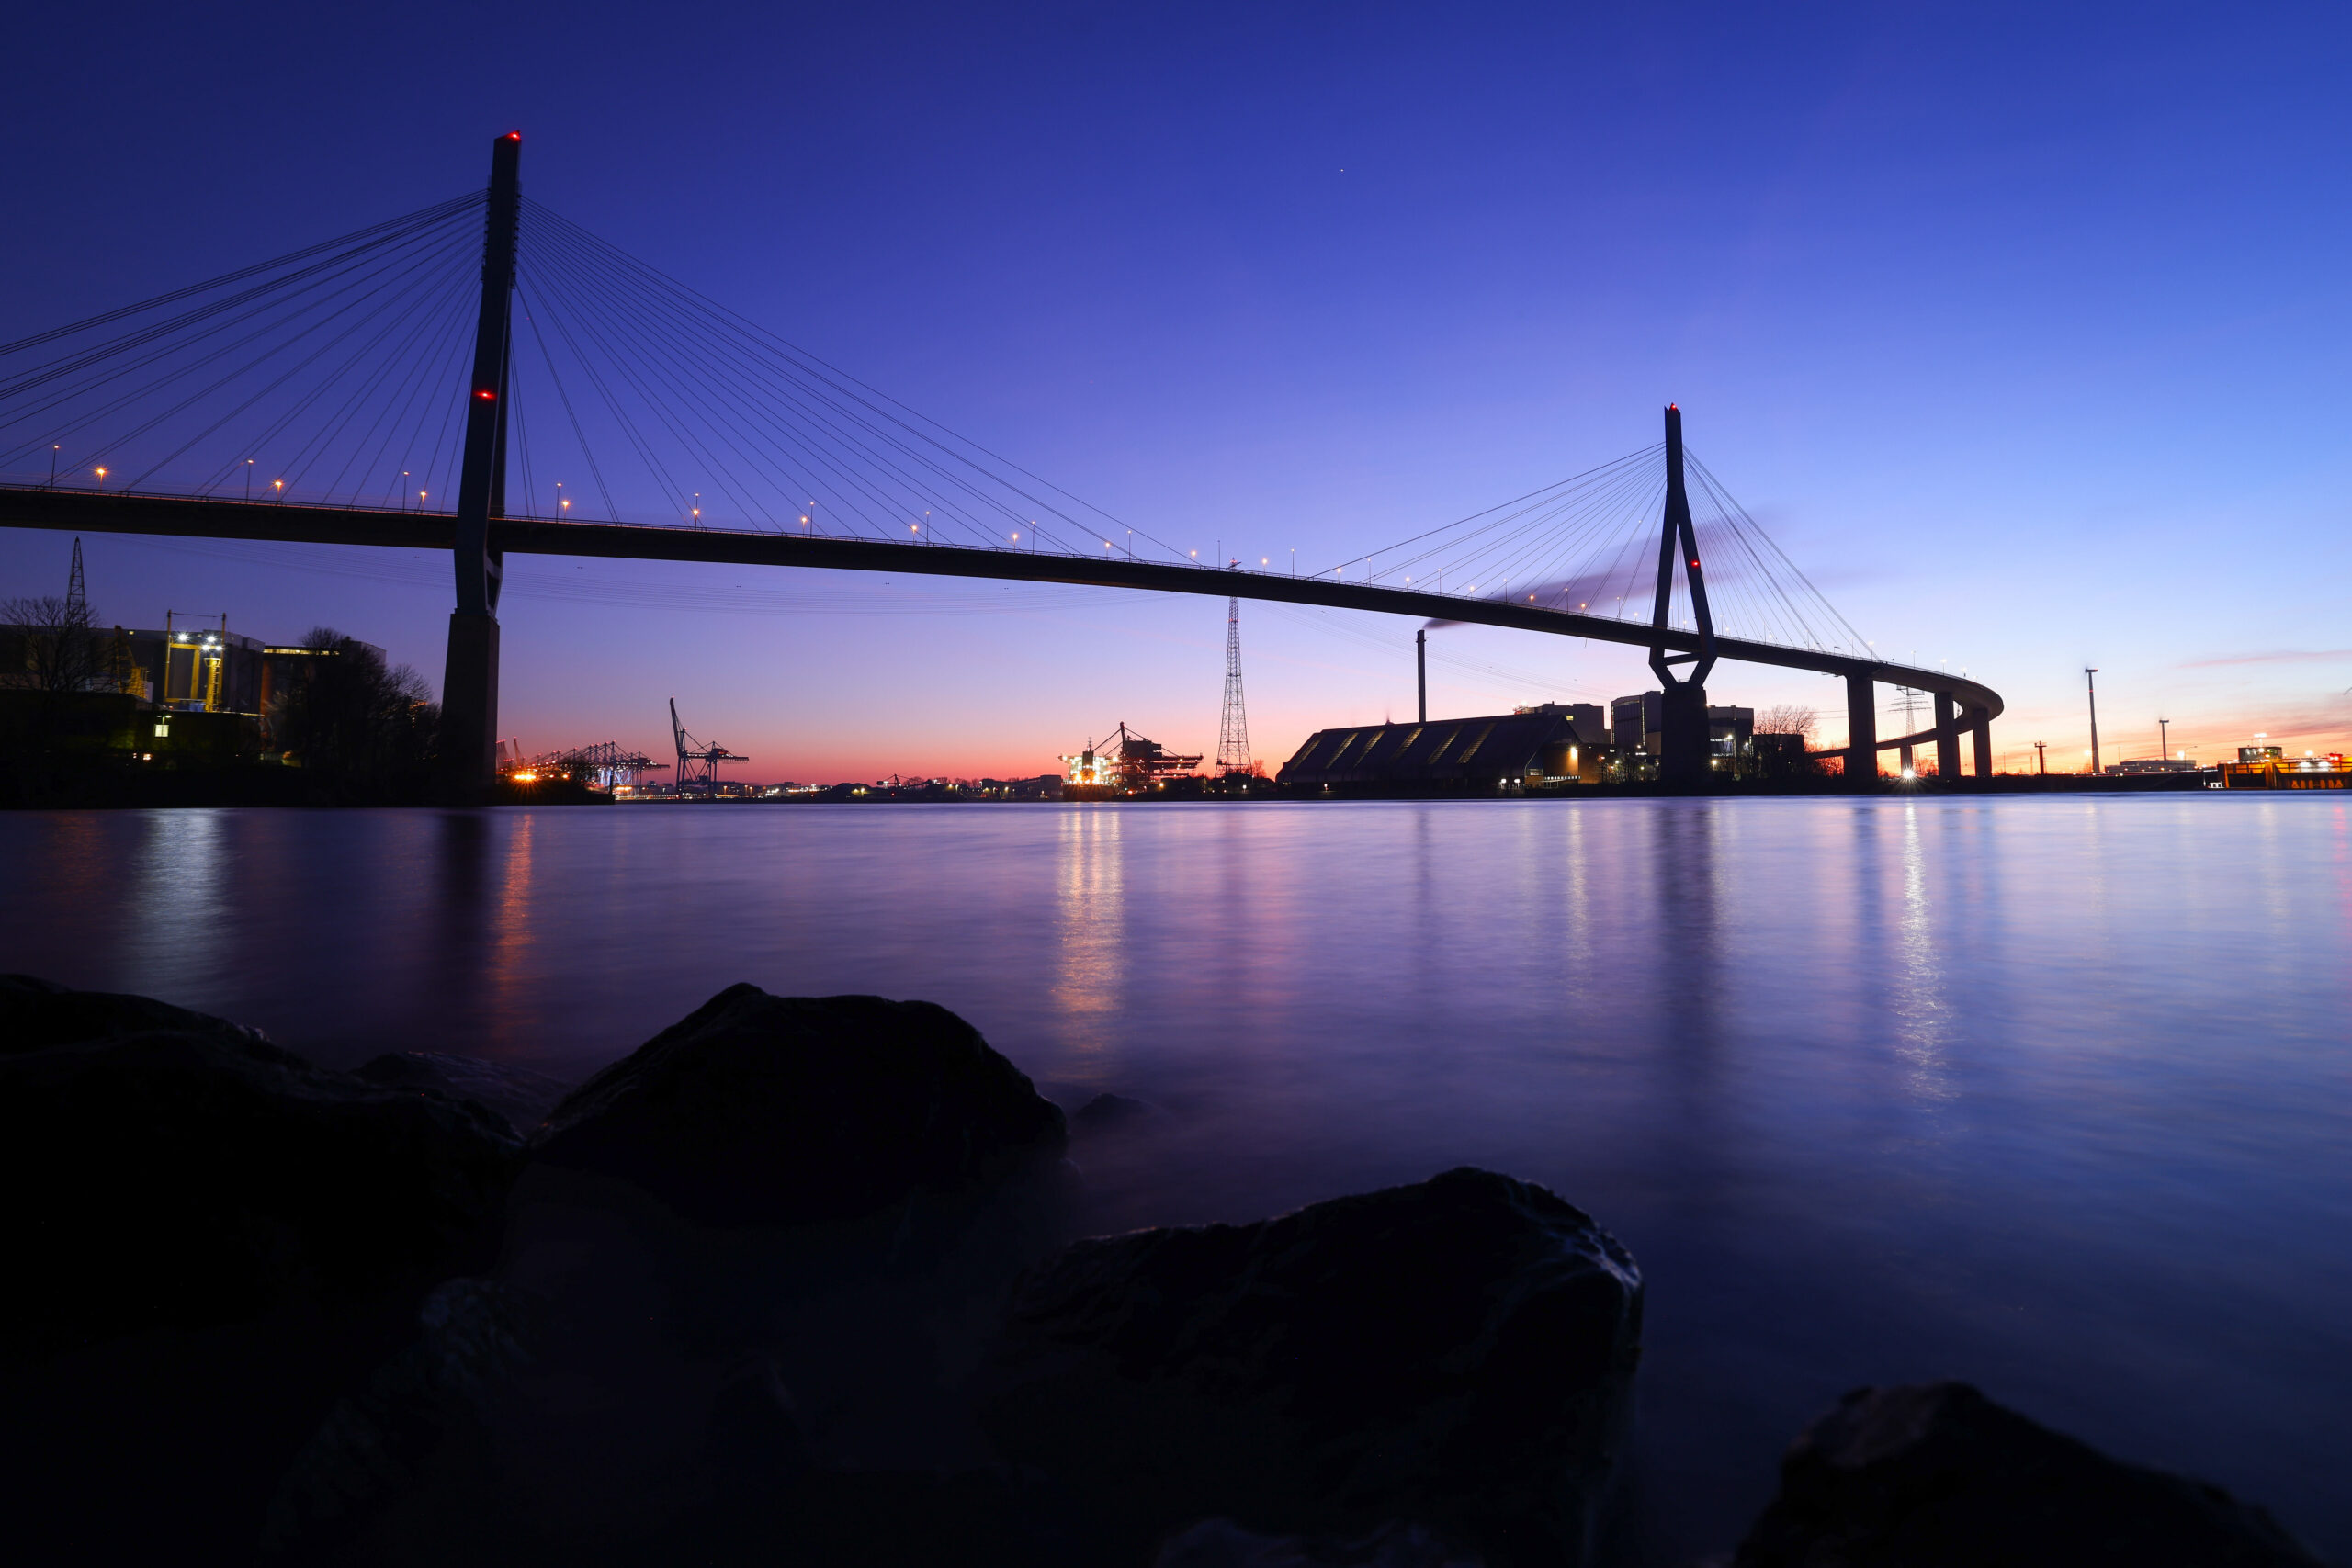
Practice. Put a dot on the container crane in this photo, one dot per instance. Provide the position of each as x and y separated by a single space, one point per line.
699 766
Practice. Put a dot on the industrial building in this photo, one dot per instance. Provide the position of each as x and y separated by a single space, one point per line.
206 667
1533 749
2268 767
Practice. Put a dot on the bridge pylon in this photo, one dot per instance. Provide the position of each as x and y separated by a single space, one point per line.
1682 757
468 739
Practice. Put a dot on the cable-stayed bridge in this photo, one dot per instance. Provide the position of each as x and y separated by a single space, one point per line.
486 377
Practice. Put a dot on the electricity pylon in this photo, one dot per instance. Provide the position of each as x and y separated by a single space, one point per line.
1233 729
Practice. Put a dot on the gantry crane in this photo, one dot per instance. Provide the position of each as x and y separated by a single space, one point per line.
699 766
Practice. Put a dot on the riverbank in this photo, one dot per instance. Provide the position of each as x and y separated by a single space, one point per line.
254 784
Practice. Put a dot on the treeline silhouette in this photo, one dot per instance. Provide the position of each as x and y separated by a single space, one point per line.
361 731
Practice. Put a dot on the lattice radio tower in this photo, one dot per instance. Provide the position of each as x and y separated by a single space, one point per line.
1233 729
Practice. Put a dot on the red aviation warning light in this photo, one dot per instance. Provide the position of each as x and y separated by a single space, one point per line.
486 393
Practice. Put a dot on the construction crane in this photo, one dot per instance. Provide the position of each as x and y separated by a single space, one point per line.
699 766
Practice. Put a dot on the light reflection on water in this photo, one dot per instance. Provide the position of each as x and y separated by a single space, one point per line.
1089 909
2054 1094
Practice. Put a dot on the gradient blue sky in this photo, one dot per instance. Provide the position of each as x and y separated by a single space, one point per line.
2022 328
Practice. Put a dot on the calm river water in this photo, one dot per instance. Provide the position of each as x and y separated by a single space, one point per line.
2053 1094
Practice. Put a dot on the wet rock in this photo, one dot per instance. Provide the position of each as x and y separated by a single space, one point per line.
1455 1358
430 1404
762 1110
36 1013
518 1095
209 1240
1935 1476
182 1178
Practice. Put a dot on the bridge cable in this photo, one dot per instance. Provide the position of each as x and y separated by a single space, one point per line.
423 216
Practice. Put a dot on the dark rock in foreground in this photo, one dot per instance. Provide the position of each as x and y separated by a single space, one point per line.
430 1403
522 1096
207 1239
762 1110
1935 1476
36 1013
1455 1358
187 1177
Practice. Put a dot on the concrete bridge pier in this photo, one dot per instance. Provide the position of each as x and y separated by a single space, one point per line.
1946 737
470 705
1682 748
1862 731
1980 731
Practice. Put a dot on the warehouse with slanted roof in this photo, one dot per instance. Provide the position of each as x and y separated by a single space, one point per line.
1533 749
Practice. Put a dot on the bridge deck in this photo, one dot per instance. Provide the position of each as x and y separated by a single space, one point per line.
99 513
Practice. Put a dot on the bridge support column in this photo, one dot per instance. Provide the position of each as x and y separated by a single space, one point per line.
1682 724
1421 673
1861 732
1947 738
1980 731
468 739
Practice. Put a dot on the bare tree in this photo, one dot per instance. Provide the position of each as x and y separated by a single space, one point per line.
1788 719
57 650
